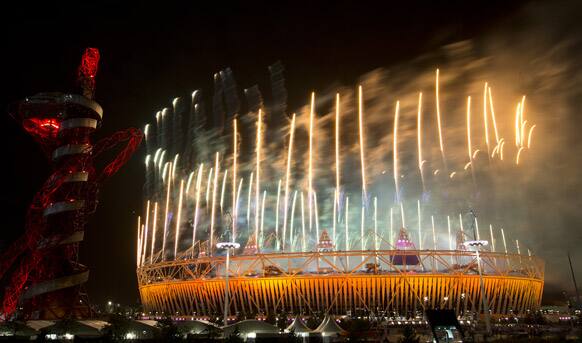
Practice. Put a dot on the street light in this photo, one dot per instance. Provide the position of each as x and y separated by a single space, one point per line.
477 244
227 246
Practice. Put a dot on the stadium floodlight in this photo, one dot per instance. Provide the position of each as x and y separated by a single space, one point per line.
476 245
227 246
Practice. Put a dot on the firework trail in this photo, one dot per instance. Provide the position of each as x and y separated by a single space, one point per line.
275 178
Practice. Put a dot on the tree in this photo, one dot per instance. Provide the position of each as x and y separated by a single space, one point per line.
168 330
313 322
271 319
212 332
234 337
282 321
409 335
356 329
292 336
118 327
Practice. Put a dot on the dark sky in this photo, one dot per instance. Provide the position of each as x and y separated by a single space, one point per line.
151 54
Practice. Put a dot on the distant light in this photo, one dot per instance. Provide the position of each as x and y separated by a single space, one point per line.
252 335
130 335
69 336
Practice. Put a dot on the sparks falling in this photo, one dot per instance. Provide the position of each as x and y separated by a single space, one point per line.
324 169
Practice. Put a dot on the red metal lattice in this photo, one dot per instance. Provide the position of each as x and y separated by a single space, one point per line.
27 245
88 71
41 254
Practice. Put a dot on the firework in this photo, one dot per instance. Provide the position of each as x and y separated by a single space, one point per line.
310 170
361 131
439 122
276 180
395 154
234 171
419 140
213 208
166 218
288 179
337 147
155 221
178 220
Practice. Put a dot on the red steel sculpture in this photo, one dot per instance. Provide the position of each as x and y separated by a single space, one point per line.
40 270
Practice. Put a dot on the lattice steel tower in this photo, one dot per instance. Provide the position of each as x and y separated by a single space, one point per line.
41 271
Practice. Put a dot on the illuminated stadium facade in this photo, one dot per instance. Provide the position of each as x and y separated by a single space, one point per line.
323 282
372 227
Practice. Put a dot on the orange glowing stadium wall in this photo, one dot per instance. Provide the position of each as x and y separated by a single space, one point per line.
341 293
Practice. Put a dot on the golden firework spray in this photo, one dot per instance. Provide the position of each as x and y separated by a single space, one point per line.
197 204
517 246
361 134
362 232
375 223
277 215
449 233
402 218
303 242
209 187
347 225
469 143
419 224
395 151
477 228
145 240
258 173
154 226
166 223
139 240
461 222
174 166
316 215
531 129
189 183
259 245
391 227
310 171
234 174
213 209
419 139
439 122
433 233
249 203
497 139
517 125
334 219
178 220
485 118
492 238
337 144
224 176
291 236
288 179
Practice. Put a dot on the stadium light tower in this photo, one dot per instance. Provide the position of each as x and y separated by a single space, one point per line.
227 246
476 244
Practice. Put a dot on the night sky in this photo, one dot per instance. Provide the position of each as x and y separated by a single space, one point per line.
151 54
